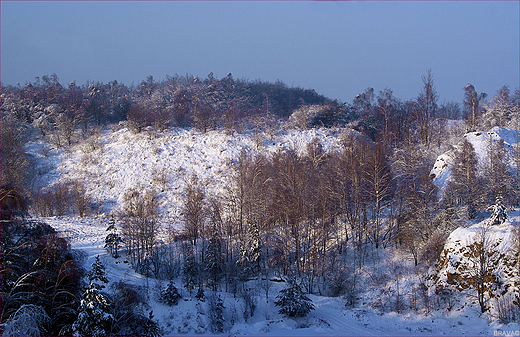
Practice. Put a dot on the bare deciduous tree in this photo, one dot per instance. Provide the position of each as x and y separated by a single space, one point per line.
140 226
193 209
472 106
426 108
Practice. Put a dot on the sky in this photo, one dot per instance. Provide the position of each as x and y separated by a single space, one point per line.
337 48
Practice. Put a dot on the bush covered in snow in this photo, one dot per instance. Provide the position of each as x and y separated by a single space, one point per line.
28 320
292 301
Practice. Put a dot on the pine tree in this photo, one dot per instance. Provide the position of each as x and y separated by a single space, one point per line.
113 239
250 253
151 328
190 272
200 294
94 318
499 212
213 260
97 274
293 301
170 295
216 310
255 249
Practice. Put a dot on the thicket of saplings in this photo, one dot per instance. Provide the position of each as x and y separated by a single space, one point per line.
320 218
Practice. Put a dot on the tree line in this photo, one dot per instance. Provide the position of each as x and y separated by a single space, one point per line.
176 101
65 115
318 217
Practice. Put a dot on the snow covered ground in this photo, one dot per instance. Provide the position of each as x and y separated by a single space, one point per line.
121 160
331 317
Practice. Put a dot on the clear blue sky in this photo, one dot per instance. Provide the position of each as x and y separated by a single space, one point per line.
336 48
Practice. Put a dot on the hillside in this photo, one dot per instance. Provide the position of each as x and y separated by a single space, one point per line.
121 160
381 296
331 317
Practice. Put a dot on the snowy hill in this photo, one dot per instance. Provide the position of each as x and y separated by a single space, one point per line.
480 141
122 160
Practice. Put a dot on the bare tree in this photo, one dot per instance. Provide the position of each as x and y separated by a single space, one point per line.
464 182
136 117
15 168
352 194
80 198
476 271
386 106
140 227
472 106
291 198
378 179
193 209
159 115
426 108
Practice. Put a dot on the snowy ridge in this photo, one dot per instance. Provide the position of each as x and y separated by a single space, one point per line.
480 141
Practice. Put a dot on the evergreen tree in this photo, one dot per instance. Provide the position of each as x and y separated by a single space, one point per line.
151 328
499 212
255 249
213 260
251 253
200 294
293 301
170 295
190 272
216 310
94 318
97 274
113 239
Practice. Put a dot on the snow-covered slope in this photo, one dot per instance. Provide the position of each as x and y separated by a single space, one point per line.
480 141
122 160
484 256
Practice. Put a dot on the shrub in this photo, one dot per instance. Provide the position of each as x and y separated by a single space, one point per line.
28 320
507 309
128 309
